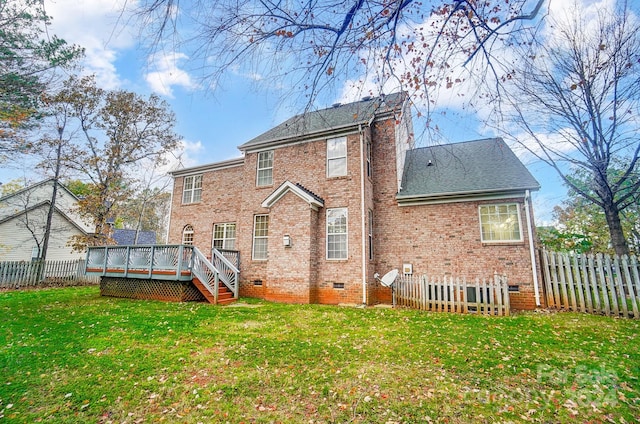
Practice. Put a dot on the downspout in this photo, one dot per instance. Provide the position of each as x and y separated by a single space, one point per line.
362 218
534 268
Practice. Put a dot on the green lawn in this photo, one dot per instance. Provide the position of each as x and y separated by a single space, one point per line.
68 355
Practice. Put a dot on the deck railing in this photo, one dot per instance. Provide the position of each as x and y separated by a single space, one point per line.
229 272
164 262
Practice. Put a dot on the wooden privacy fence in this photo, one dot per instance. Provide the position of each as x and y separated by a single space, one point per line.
450 294
599 284
20 274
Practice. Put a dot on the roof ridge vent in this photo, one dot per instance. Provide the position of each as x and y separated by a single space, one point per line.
366 98
338 104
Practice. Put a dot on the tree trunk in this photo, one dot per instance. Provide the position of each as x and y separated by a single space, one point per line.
54 195
618 240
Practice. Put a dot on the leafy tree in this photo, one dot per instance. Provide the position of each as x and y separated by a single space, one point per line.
28 54
11 187
78 188
573 101
563 241
315 44
148 210
582 227
110 134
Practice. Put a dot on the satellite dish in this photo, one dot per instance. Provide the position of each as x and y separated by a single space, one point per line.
389 278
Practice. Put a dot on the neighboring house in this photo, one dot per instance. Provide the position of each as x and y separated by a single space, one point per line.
319 204
23 216
126 237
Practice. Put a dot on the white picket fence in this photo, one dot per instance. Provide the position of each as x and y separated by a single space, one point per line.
20 274
599 284
488 296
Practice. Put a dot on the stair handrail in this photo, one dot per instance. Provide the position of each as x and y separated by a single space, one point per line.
228 272
204 270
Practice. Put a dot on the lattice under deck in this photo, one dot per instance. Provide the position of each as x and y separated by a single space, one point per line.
173 291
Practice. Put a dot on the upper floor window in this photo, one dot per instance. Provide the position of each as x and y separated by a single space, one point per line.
337 157
500 222
224 236
187 234
260 237
337 233
192 189
265 168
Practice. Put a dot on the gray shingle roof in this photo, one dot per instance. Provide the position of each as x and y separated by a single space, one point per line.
472 167
127 237
339 116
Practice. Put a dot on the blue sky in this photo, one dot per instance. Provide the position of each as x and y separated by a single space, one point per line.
214 120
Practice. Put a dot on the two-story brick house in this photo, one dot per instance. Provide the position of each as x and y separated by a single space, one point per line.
323 201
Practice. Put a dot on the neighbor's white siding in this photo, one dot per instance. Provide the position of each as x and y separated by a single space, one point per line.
17 243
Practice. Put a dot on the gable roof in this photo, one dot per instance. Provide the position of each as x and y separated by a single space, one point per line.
38 206
34 186
34 195
333 119
468 169
128 237
299 190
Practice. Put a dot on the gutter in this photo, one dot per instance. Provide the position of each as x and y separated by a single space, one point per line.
305 137
515 192
534 268
230 163
362 218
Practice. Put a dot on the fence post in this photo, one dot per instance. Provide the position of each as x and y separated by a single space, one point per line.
631 293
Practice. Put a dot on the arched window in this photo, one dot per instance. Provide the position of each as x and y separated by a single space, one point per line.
187 234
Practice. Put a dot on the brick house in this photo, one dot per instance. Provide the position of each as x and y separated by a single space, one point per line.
323 201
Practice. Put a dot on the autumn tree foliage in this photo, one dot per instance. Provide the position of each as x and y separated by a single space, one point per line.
573 103
111 133
28 57
313 45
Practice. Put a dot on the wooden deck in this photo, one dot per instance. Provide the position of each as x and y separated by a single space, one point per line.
163 272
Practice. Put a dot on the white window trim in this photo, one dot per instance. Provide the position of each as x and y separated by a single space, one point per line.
329 159
346 214
253 247
191 190
258 169
519 240
225 226
188 229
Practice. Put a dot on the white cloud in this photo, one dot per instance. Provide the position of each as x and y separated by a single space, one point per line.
99 27
186 155
168 74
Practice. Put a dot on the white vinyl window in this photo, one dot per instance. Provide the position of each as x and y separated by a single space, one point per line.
224 236
192 189
337 157
500 222
337 233
265 169
260 237
187 234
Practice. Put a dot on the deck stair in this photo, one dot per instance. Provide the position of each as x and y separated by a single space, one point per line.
225 296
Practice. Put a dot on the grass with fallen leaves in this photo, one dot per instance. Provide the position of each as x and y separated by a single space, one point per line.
69 355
